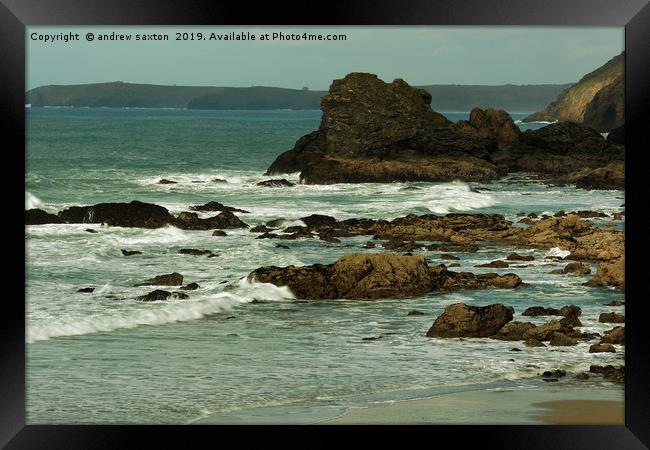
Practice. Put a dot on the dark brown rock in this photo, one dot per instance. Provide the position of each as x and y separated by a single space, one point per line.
130 252
223 220
616 303
576 268
602 348
39 217
415 312
533 343
611 318
171 279
460 320
559 339
609 372
449 257
513 331
87 290
190 287
133 214
166 181
614 336
495 264
216 206
518 257
158 295
535 311
219 233
260 229
276 183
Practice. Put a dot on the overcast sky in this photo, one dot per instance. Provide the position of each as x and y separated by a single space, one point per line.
420 55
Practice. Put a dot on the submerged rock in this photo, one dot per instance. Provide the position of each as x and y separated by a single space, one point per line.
196 252
461 320
219 233
495 264
216 206
611 373
166 181
130 252
170 279
559 339
276 183
190 287
158 295
86 290
576 268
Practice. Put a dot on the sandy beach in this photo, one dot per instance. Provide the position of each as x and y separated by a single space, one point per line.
557 406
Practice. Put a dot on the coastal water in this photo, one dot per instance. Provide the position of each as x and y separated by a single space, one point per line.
239 351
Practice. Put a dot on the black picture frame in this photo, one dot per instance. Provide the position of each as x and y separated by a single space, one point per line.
15 15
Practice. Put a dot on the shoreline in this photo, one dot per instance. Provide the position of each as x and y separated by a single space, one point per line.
491 407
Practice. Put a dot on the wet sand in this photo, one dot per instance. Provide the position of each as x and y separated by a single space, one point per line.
557 406
582 412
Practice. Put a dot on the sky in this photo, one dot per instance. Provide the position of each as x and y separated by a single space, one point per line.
419 54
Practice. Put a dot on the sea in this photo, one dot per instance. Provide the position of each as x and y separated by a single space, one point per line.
239 351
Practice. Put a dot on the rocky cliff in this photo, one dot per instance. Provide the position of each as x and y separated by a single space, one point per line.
596 100
372 131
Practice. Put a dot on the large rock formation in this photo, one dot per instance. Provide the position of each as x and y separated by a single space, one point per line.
597 99
365 276
373 131
606 110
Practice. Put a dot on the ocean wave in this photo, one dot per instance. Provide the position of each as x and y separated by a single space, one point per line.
32 201
557 251
159 313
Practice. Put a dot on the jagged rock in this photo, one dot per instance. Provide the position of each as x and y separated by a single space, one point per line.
610 274
461 320
376 276
611 318
276 183
493 123
614 336
190 287
558 373
216 206
130 252
223 220
171 279
559 339
166 181
39 217
607 176
513 331
545 332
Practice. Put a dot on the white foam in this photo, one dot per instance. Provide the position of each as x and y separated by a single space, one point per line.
31 201
557 251
158 313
